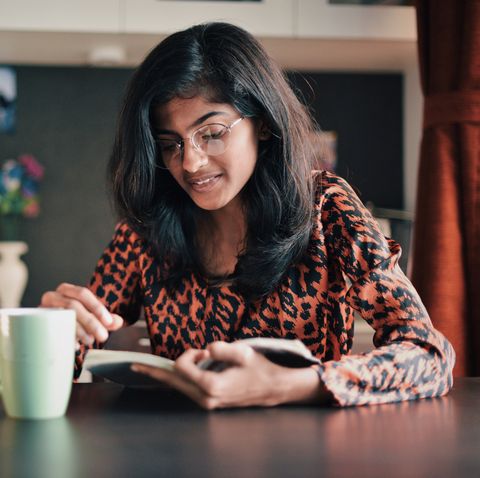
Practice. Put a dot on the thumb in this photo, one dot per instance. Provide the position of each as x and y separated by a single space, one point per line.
236 353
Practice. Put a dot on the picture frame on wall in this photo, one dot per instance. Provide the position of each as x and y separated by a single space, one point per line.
372 2
325 148
8 99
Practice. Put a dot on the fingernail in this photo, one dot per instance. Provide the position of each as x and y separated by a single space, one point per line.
107 318
102 335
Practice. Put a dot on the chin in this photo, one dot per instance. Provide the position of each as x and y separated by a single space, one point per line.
212 203
209 205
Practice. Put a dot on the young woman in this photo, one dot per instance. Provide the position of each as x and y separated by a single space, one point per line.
225 233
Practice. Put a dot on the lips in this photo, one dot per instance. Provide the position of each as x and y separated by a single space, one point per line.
204 183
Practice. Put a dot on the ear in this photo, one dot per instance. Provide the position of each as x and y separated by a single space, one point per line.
263 130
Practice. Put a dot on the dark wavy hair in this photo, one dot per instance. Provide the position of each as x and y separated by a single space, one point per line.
226 64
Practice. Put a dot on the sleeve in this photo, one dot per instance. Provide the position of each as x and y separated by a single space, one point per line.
116 281
411 359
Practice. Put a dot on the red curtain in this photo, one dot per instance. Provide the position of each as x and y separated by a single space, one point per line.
446 251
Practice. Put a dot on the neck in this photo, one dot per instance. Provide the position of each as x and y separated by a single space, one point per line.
227 225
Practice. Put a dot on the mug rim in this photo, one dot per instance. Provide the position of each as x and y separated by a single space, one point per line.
21 311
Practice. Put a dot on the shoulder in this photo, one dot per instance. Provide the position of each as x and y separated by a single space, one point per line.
331 189
338 209
123 230
126 238
348 228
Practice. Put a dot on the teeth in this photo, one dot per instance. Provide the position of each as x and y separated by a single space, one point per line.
204 181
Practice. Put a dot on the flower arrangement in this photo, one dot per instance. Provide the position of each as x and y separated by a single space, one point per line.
19 185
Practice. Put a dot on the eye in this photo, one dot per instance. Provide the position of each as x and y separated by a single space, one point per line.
167 145
212 132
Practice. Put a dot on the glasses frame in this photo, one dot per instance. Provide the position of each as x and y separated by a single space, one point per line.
180 142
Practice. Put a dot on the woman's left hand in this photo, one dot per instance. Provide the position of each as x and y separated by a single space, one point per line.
250 379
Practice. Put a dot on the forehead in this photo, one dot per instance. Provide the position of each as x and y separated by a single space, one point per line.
182 112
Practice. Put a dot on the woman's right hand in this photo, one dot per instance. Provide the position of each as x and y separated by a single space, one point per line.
94 321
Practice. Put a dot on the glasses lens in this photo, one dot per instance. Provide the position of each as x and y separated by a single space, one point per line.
211 139
169 149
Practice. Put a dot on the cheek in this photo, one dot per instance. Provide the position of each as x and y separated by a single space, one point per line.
245 156
250 160
241 166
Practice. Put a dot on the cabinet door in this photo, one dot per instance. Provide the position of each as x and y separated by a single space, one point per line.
60 15
321 19
266 17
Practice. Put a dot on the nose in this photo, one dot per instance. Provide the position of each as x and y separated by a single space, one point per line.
193 159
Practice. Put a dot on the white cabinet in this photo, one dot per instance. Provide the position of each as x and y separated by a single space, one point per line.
60 15
266 18
321 19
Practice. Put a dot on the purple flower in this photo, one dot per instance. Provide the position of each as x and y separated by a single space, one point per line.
32 167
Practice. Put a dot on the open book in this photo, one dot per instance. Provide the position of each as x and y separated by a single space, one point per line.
114 365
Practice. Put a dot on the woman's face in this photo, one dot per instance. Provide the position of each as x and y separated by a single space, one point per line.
212 181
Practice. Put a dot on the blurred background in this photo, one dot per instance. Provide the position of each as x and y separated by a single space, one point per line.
354 65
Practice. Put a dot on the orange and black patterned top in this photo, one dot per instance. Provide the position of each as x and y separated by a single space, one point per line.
349 266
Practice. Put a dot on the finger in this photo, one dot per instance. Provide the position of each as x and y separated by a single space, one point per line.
173 379
89 300
179 383
117 323
88 321
82 335
211 383
235 354
156 373
186 364
49 299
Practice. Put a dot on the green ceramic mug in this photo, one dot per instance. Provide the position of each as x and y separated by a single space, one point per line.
37 352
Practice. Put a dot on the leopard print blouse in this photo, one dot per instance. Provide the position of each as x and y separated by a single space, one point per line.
349 266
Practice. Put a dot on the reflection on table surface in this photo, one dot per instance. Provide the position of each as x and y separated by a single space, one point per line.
111 431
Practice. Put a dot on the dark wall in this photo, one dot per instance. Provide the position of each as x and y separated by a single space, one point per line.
366 112
66 117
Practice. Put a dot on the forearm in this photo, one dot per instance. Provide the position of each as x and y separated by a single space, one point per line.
391 373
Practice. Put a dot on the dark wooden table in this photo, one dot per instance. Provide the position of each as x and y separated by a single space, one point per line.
114 432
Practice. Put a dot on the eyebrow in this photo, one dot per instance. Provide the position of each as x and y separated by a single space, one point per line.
197 122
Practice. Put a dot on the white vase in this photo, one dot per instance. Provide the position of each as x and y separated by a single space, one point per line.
13 273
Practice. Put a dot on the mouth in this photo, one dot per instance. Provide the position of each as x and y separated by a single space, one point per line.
204 183
203 179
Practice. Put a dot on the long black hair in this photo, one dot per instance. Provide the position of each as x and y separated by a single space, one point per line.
226 64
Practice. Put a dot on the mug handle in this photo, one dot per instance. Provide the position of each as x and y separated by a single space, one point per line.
1 387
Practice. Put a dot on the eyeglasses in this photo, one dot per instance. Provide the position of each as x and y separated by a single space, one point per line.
212 139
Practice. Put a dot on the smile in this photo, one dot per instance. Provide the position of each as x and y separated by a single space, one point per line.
205 183
203 180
